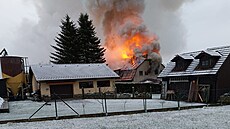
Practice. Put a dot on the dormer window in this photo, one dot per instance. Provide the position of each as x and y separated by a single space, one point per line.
207 60
182 62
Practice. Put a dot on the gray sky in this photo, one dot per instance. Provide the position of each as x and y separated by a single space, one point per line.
28 28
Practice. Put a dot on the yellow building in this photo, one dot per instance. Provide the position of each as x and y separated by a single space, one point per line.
12 69
72 80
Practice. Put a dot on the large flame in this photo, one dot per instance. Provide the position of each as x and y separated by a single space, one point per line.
129 48
126 37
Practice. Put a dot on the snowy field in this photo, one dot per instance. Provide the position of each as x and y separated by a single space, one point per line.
199 118
24 109
1 101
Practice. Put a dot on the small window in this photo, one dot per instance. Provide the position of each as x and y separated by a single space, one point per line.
146 72
205 63
140 73
88 84
103 83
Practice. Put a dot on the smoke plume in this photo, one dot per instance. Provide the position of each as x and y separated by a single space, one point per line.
33 39
117 20
124 31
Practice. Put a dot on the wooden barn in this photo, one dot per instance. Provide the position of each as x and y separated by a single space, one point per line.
200 76
72 80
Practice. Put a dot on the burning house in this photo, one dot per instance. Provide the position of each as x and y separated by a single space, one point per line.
142 77
201 76
131 49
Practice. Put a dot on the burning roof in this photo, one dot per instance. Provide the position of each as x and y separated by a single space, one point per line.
127 39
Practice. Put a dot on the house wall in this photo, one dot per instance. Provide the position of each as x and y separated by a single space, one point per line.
45 87
34 84
211 81
223 81
143 67
190 92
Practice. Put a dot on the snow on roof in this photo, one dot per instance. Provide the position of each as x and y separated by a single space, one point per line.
212 53
183 56
72 72
209 52
222 52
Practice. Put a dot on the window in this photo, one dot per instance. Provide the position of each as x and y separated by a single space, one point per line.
181 66
88 84
206 63
140 73
146 72
103 83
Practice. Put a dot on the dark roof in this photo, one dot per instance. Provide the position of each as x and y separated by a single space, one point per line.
126 75
222 52
185 57
209 52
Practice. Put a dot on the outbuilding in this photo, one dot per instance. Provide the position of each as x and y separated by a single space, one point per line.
72 80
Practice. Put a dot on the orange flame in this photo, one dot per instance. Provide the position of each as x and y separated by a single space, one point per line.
135 42
129 48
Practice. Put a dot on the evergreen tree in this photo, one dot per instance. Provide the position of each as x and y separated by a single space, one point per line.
67 47
92 52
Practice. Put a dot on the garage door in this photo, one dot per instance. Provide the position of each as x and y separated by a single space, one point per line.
64 91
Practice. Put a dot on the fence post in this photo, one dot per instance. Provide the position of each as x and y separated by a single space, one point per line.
106 113
133 91
145 104
55 106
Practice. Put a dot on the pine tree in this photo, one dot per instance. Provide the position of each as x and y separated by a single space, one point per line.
92 52
67 47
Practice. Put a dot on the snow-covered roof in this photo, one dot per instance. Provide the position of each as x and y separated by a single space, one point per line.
185 57
222 52
72 72
210 52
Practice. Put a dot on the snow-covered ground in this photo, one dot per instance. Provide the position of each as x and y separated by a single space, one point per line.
1 101
24 109
199 118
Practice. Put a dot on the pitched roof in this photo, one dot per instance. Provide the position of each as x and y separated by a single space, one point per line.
128 73
185 57
209 52
223 52
72 72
